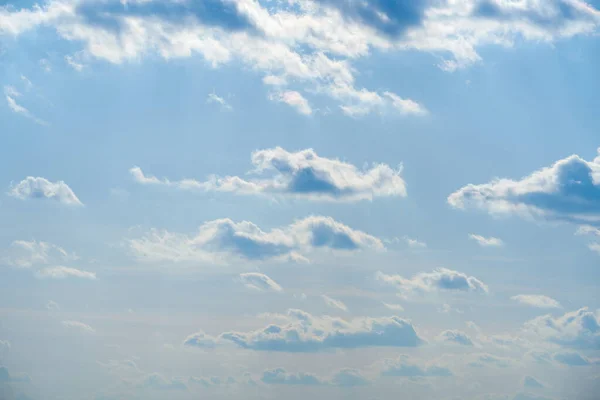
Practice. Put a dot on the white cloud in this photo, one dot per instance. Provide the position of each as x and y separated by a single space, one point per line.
333 303
414 243
274 80
41 188
573 359
455 337
577 329
440 279
4 346
25 254
538 301
11 95
224 240
304 333
63 273
293 99
393 307
260 282
406 367
569 190
158 382
215 99
79 326
486 242
73 63
302 174
592 232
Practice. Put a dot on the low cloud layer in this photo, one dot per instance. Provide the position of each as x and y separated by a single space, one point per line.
41 188
305 333
441 279
64 272
222 240
406 367
302 174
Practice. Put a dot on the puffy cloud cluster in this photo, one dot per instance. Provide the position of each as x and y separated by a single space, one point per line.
538 301
441 279
260 282
404 366
569 190
303 333
577 329
41 188
302 174
221 240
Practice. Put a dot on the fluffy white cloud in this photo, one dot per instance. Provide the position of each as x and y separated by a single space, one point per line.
440 279
303 332
62 272
221 240
261 282
333 303
569 190
486 242
41 188
215 99
404 366
539 301
25 254
293 99
577 329
79 326
455 337
302 174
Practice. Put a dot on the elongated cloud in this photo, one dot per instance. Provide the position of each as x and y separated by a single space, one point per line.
11 95
441 279
223 240
304 333
41 188
538 301
486 241
64 272
302 174
346 377
261 282
333 303
76 325
569 190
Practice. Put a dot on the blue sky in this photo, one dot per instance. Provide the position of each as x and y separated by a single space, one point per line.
257 199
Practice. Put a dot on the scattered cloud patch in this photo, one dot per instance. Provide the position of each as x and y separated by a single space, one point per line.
25 254
349 377
293 99
73 63
404 366
41 188
393 307
486 242
158 382
333 303
220 101
573 359
80 326
414 243
532 383
455 337
302 174
11 95
260 282
576 329
280 376
441 279
538 301
483 360
591 232
63 273
52 306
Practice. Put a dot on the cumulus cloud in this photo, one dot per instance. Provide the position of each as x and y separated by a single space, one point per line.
333 303
301 332
441 279
222 240
404 366
64 272
294 99
538 301
302 174
78 326
25 254
260 282
348 377
486 242
4 345
569 190
455 337
577 329
41 188
215 99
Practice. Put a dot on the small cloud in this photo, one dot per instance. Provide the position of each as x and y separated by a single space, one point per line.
349 377
76 325
41 188
333 303
573 359
486 242
214 99
404 366
25 254
73 63
64 272
456 337
393 307
293 99
538 301
441 279
532 383
273 80
11 94
52 306
414 243
260 282
26 82
45 65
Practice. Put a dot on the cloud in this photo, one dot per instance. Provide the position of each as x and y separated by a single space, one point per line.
11 95
25 254
5 377
538 301
349 377
304 333
403 366
41 188
52 306
532 383
569 190
414 243
441 279
528 396
280 376
214 99
333 303
592 232
573 359
456 337
576 329
4 345
260 282
79 326
303 174
482 360
201 340
393 307
293 99
158 382
486 242
73 63
223 240
64 272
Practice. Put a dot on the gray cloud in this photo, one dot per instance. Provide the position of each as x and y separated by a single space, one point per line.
440 279
403 366
577 329
41 188
456 337
573 359
302 174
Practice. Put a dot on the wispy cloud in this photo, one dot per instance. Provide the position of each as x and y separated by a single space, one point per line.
11 95
213 98
486 241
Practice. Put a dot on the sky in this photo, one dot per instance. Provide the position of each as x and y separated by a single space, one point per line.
265 199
